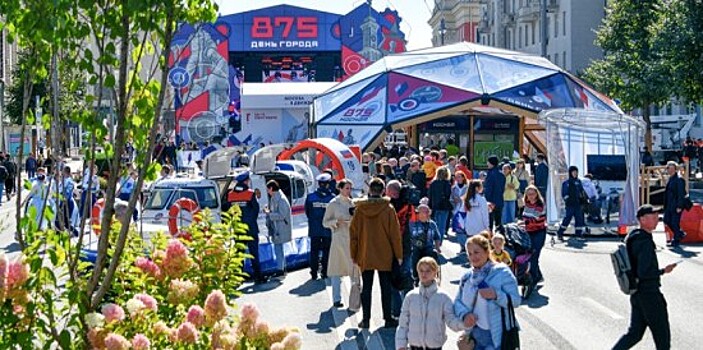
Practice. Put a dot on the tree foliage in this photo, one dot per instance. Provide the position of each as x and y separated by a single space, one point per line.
631 69
680 41
121 47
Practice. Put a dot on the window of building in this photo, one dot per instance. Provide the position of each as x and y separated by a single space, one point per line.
549 57
556 24
549 21
493 40
533 33
563 24
556 59
526 29
519 38
564 58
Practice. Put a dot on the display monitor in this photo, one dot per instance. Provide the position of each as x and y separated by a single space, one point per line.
607 167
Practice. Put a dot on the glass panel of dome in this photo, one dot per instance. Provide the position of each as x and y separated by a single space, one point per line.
458 71
548 93
366 107
500 74
409 97
329 101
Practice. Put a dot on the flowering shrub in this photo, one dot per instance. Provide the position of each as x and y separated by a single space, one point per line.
167 294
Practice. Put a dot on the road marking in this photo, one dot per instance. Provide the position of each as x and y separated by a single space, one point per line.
343 324
602 308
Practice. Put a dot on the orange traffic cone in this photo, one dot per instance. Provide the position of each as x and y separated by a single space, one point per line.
622 230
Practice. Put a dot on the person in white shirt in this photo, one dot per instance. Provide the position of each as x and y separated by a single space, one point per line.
427 311
126 187
91 187
476 208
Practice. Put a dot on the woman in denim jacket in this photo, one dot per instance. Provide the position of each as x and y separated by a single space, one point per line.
483 293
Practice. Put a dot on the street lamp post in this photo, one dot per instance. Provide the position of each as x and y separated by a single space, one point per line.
442 30
543 28
2 113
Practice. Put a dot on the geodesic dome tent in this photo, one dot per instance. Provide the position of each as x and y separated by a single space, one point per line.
418 86
575 134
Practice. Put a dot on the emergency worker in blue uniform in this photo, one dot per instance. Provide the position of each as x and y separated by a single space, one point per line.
320 237
245 198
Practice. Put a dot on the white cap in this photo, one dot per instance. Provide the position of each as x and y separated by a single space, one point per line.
324 177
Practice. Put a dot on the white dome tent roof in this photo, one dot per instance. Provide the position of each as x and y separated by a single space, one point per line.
400 88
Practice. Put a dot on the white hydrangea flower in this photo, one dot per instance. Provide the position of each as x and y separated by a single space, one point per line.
94 320
134 305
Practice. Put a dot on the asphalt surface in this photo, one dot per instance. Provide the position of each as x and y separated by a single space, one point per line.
578 307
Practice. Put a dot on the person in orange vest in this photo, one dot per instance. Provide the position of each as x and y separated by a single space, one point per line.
245 198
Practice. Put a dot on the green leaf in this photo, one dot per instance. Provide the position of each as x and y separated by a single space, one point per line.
109 81
65 339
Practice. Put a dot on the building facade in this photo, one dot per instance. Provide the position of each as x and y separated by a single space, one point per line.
8 62
516 25
210 63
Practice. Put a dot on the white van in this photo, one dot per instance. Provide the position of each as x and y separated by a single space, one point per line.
205 193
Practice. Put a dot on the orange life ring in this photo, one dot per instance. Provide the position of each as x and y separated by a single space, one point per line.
96 215
174 212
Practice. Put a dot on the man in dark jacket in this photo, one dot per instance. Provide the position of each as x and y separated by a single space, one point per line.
404 212
541 175
674 197
417 178
574 197
648 303
320 236
493 190
31 166
245 198
9 164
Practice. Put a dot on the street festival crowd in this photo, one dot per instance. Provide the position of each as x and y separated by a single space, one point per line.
413 200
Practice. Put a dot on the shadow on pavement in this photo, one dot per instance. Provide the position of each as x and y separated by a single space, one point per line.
459 259
381 338
252 288
308 288
681 250
13 247
536 300
324 324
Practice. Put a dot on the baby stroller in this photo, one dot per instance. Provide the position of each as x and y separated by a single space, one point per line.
519 244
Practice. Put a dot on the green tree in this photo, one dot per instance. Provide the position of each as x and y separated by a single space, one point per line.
122 47
680 40
15 92
631 69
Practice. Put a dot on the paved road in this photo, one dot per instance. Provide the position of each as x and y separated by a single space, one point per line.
578 307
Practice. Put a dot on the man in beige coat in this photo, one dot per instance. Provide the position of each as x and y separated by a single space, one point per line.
374 243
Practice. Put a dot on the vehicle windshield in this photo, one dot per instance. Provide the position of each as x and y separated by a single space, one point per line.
158 198
206 197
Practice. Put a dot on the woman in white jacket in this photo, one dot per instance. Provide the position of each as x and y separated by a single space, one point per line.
476 207
426 312
337 218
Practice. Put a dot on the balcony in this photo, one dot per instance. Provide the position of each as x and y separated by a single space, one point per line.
552 6
508 19
529 12
483 26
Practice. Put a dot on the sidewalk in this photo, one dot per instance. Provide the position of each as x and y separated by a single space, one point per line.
599 243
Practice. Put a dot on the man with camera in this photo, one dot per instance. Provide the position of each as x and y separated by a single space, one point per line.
674 203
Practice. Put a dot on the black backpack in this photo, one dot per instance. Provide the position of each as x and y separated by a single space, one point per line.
3 173
624 272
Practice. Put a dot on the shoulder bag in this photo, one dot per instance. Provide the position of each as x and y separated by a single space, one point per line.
511 336
466 341
355 291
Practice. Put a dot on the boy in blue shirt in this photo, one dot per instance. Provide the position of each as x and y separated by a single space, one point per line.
425 237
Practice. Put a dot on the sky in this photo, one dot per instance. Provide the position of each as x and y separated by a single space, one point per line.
415 13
